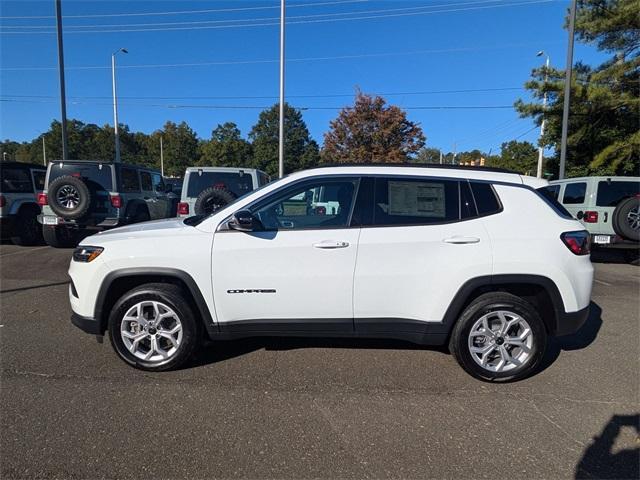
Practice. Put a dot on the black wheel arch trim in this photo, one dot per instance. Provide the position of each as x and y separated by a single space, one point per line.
463 296
173 273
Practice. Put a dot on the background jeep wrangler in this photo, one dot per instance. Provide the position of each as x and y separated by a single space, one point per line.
82 195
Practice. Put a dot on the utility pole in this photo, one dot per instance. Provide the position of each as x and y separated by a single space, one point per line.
63 100
440 157
44 152
542 124
453 159
161 158
115 100
567 91
281 126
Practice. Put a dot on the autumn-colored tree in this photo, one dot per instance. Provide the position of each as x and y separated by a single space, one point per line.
372 131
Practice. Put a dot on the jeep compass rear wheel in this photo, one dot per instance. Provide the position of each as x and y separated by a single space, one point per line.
499 337
153 328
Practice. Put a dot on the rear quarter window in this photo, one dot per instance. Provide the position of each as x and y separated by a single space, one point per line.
15 180
574 193
130 181
612 193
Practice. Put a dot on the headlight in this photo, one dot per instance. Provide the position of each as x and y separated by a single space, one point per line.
86 254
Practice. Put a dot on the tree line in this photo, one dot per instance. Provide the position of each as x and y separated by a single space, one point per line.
604 126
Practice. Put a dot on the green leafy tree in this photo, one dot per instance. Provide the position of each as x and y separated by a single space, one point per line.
427 155
226 148
300 150
372 131
604 133
180 148
521 157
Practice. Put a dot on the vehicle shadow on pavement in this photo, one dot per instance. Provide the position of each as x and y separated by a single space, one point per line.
599 459
224 350
579 340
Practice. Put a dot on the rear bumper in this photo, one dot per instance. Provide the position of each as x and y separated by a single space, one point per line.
87 324
571 322
102 223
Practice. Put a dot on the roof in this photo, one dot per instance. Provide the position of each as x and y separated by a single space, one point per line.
597 177
22 164
418 165
221 169
106 162
428 170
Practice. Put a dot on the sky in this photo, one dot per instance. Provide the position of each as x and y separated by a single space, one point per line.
209 62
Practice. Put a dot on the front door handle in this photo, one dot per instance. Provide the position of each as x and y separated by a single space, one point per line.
455 240
330 244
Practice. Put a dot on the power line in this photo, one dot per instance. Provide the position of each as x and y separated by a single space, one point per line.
265 24
257 97
264 107
302 59
261 19
188 12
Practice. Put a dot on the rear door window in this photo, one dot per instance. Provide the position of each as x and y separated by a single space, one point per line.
487 202
15 180
574 193
158 183
98 176
410 201
130 182
145 181
612 193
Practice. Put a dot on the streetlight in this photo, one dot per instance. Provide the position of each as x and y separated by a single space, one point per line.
115 101
281 106
544 108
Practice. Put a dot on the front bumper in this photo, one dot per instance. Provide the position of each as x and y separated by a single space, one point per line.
87 324
570 322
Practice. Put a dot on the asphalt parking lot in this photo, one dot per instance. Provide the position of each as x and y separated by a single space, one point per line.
300 409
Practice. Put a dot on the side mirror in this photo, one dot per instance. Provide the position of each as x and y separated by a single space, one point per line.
244 221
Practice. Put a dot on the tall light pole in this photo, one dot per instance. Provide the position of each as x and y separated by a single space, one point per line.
63 100
44 152
115 100
544 108
567 91
281 126
161 158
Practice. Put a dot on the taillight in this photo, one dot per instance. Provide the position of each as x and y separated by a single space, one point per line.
183 208
116 201
3 201
219 185
590 217
321 210
578 242
42 199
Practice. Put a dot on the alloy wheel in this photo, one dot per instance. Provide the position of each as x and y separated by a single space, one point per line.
68 197
500 341
151 331
633 218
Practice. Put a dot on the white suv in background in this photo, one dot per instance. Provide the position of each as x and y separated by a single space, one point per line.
469 257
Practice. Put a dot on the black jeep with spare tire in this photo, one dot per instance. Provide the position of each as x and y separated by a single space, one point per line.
85 196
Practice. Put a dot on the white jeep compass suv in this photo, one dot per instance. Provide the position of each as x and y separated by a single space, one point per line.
470 257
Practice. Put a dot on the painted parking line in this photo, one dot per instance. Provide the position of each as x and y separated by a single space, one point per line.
602 282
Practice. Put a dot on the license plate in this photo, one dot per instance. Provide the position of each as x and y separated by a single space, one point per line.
601 239
50 220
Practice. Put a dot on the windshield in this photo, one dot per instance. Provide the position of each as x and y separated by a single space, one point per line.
97 174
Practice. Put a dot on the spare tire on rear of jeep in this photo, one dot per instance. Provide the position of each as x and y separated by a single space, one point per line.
69 197
212 199
626 219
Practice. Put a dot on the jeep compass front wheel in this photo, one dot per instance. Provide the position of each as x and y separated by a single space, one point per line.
499 337
153 328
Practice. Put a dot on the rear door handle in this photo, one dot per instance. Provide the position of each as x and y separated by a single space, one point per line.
330 244
455 240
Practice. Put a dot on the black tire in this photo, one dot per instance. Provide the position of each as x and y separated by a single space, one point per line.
27 230
489 303
212 199
173 297
75 188
626 219
59 237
